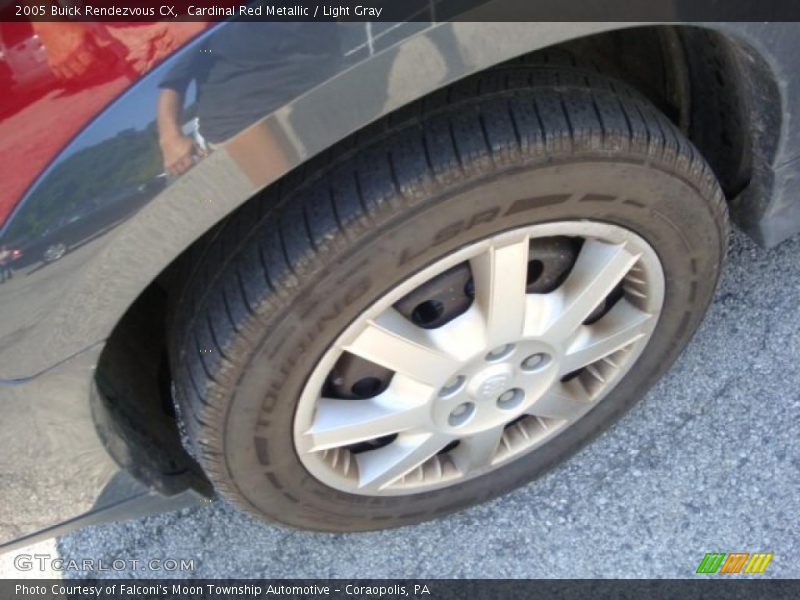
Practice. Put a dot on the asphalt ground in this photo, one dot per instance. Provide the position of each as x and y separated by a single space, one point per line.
709 461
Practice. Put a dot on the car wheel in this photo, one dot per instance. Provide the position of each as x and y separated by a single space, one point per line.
54 252
448 306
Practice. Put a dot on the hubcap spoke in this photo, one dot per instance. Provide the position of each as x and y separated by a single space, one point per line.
378 468
393 342
478 450
343 422
500 276
563 401
620 327
597 271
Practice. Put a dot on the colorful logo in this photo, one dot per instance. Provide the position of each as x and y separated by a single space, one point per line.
719 562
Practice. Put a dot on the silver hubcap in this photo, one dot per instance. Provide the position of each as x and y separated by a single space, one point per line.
493 383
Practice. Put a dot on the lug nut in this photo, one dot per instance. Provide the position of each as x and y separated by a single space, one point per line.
461 414
452 386
500 352
510 399
535 361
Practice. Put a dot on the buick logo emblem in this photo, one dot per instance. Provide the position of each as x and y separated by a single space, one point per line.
493 386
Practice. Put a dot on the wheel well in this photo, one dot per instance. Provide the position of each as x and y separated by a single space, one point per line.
694 76
132 400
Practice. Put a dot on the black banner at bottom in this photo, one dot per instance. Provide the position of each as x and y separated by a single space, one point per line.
385 589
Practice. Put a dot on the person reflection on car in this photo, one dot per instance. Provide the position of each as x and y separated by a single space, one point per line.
5 264
241 73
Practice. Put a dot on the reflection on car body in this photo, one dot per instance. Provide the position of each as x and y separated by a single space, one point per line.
75 229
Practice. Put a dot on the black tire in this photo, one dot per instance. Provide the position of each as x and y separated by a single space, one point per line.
282 277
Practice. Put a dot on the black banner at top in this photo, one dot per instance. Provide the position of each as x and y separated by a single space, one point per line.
402 10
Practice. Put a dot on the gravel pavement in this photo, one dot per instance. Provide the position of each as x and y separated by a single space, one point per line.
708 462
